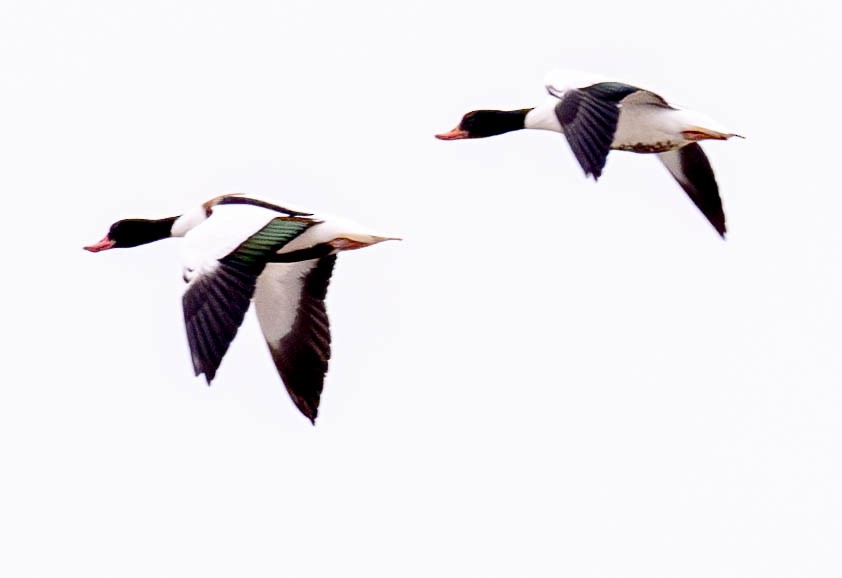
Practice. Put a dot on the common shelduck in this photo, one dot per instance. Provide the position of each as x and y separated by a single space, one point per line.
597 115
239 248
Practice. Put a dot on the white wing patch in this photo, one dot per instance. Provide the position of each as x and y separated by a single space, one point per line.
227 228
277 297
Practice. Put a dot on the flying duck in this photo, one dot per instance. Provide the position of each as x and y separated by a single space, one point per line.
597 115
238 249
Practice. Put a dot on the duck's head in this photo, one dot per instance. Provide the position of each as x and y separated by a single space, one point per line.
484 123
133 232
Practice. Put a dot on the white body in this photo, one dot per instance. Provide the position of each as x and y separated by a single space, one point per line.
644 122
210 238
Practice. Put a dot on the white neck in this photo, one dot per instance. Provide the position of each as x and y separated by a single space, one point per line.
543 116
188 221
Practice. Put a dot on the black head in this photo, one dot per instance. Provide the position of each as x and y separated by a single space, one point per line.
484 123
134 232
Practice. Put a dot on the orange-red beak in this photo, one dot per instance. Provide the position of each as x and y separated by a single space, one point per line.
455 134
106 243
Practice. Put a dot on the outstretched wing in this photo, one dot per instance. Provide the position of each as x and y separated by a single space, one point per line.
691 168
214 307
220 291
291 310
588 118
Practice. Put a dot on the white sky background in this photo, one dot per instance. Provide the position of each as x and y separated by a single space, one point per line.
548 377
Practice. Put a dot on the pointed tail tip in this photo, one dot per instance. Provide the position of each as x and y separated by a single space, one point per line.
380 238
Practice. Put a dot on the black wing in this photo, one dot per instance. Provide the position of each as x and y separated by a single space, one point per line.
291 310
588 117
217 299
691 168
214 307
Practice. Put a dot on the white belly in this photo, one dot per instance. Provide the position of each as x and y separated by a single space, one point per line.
641 128
648 129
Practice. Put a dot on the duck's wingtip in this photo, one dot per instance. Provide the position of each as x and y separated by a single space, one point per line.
205 374
308 411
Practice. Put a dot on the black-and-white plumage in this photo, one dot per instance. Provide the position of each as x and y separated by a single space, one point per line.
597 115
589 123
298 334
239 248
691 168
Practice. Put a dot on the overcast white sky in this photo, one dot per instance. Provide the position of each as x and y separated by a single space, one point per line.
547 378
